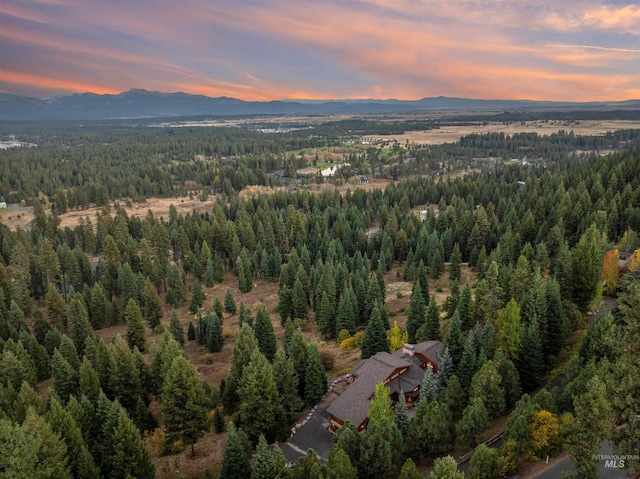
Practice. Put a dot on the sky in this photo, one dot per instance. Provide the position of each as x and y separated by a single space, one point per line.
563 50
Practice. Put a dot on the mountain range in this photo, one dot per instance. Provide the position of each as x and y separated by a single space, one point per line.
139 103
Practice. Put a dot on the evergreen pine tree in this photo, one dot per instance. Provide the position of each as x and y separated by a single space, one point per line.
464 308
445 468
152 306
445 369
315 379
265 334
381 450
39 355
297 352
339 465
555 318
209 275
176 330
16 318
218 421
454 265
103 364
229 303
99 307
191 332
197 297
81 463
429 390
409 470
484 463
287 384
244 315
258 395
299 300
431 330
530 361
437 264
508 329
135 328
78 322
415 315
324 317
243 349
245 272
268 464
126 455
237 453
451 301
163 358
348 439
65 379
89 381
218 308
124 380
585 268
454 398
468 362
475 420
510 378
455 340
401 414
183 403
54 302
214 338
32 449
421 277
285 304
486 385
69 352
375 336
346 314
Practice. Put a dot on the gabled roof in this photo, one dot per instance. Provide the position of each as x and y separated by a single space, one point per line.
353 403
430 349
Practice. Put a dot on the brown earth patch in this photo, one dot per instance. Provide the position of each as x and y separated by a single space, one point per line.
452 133
159 207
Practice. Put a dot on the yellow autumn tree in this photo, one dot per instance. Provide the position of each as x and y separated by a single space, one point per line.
610 270
397 337
544 430
634 261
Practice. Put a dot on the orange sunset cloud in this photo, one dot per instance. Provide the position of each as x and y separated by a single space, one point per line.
257 50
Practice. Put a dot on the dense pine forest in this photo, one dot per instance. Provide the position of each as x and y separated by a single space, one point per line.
101 322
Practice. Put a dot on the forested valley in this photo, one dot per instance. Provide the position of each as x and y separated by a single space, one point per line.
106 326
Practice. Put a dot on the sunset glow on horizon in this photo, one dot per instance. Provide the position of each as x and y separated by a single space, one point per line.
274 50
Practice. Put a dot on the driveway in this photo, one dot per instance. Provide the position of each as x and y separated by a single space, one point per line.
313 434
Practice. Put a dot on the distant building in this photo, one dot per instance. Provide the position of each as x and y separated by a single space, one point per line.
332 170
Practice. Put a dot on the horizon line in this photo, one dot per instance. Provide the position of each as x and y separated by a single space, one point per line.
293 100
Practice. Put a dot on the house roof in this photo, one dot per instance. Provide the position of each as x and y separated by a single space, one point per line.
430 349
353 403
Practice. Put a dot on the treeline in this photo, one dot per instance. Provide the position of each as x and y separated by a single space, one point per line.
327 258
142 162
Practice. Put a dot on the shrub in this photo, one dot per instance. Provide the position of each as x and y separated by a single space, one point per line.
342 335
348 344
327 358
